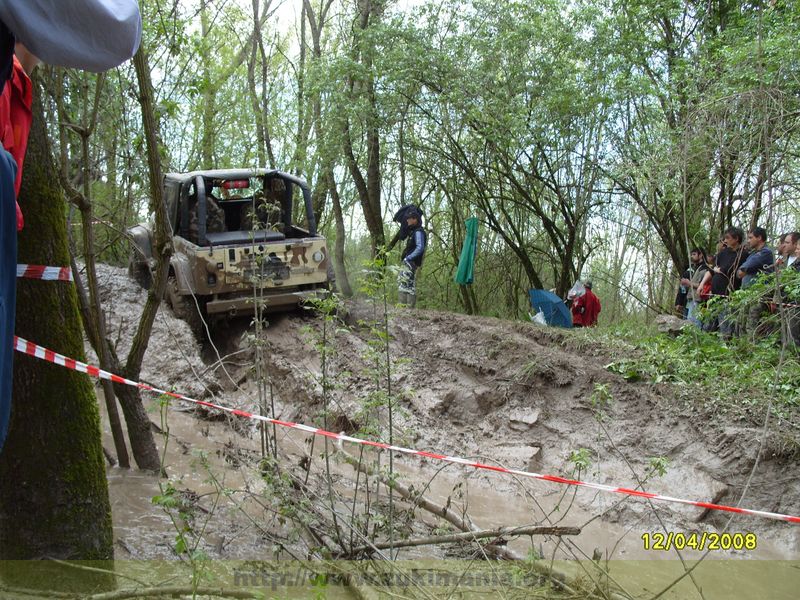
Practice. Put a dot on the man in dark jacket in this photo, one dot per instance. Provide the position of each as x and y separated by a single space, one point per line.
724 278
412 257
689 293
761 260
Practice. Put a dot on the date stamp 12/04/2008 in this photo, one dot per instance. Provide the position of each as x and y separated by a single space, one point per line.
699 541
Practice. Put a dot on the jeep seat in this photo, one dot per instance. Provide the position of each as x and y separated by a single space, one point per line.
227 238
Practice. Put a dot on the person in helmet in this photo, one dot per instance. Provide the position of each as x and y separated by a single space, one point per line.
412 256
400 218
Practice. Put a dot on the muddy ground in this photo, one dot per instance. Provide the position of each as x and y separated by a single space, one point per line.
505 393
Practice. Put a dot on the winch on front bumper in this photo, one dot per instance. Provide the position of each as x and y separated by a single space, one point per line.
260 268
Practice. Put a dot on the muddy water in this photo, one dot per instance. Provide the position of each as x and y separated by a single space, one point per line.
640 572
144 532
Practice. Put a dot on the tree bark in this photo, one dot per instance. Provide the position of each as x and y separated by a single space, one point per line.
209 92
469 536
369 187
54 497
325 174
342 279
139 427
261 137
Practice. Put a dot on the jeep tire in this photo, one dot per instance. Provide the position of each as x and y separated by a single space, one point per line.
139 272
184 307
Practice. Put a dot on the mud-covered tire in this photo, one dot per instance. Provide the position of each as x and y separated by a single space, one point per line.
184 307
140 273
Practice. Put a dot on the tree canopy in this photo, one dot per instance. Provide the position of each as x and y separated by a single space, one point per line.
600 138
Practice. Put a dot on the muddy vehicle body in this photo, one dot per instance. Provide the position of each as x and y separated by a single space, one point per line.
238 241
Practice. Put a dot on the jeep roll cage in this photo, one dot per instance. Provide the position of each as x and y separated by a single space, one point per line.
177 188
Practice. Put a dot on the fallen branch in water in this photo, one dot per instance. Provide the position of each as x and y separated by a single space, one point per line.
472 535
470 530
177 590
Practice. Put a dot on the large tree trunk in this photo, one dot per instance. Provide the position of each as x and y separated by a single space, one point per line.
261 137
369 187
326 180
53 497
342 279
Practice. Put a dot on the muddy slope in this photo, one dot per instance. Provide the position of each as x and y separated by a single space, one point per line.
507 393
517 395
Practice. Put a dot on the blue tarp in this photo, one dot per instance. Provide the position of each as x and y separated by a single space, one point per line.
555 311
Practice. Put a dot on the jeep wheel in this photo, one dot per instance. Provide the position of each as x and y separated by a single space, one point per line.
139 272
184 307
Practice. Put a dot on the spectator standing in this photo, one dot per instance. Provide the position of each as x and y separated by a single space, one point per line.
780 253
761 260
16 115
794 311
786 249
792 244
586 308
411 257
723 277
691 282
786 261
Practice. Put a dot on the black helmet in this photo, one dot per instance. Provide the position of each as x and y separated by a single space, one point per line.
404 211
413 211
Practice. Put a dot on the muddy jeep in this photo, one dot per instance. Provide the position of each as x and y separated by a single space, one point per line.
236 242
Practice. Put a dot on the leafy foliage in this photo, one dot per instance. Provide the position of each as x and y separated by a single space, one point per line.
737 376
593 138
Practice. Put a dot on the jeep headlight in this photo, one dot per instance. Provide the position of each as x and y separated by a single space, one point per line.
318 256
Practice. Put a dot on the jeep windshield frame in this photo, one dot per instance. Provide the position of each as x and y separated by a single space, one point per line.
180 185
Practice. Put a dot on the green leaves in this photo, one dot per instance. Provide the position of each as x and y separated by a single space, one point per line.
581 458
736 375
659 465
167 499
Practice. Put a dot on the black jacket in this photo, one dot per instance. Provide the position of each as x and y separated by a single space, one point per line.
415 246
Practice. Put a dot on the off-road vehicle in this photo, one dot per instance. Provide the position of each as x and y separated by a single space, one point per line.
237 241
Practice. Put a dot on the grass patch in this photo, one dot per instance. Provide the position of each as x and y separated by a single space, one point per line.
736 375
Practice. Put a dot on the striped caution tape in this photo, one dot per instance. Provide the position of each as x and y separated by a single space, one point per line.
45 273
40 352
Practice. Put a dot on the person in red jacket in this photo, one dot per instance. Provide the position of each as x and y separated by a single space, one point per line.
585 308
15 114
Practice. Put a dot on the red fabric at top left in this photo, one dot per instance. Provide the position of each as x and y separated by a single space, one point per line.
15 121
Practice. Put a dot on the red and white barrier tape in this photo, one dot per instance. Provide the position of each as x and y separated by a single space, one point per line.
46 273
37 351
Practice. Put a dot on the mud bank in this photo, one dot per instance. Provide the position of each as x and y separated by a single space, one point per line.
505 393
